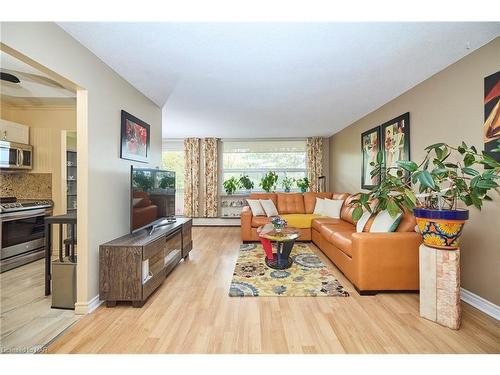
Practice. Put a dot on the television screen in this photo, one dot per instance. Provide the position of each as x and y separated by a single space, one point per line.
152 197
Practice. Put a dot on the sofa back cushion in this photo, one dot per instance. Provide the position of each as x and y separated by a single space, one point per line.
407 223
346 212
271 196
310 200
291 203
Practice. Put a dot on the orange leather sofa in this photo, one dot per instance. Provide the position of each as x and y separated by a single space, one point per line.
373 262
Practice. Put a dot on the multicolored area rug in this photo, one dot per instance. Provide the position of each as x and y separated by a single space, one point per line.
307 277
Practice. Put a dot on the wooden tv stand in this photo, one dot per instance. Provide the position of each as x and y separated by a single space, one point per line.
121 262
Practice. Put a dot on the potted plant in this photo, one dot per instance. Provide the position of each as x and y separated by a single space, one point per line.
231 185
246 183
287 183
442 184
303 184
268 182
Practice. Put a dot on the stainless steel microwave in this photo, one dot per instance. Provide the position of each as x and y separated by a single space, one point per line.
16 155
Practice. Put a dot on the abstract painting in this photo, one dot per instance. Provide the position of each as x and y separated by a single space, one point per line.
134 138
492 114
370 146
396 140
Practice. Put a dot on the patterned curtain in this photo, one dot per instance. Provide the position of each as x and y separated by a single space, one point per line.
210 152
314 161
191 176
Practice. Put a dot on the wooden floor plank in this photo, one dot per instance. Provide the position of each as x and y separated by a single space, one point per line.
192 313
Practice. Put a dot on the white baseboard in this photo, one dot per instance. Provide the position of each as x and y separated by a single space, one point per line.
82 308
480 303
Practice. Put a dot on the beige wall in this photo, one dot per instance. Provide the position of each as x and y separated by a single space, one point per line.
447 107
46 124
103 178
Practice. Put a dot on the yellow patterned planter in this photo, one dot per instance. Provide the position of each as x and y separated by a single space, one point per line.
441 229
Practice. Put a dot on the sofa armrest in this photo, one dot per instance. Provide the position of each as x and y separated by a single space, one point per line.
386 261
246 223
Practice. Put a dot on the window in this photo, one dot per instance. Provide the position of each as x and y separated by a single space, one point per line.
173 160
257 157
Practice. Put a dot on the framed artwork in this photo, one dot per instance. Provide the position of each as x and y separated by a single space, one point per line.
370 145
134 138
396 139
492 114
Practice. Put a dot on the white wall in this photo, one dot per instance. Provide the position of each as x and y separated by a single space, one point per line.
108 175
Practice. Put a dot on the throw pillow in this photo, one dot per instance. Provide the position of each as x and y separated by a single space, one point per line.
256 207
269 207
331 207
360 225
383 222
318 208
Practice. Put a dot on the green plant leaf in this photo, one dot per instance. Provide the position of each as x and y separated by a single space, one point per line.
408 165
392 208
426 180
451 165
435 145
486 184
469 159
380 157
357 213
470 171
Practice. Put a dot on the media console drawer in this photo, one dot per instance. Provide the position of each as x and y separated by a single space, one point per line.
156 254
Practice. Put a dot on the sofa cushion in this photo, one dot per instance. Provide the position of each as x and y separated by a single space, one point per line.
310 200
342 241
302 221
290 203
346 212
317 223
256 207
271 196
407 223
258 221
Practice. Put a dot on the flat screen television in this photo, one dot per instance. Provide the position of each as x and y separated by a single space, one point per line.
152 198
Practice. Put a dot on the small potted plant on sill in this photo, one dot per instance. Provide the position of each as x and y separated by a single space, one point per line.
246 183
442 184
268 182
231 185
287 184
303 184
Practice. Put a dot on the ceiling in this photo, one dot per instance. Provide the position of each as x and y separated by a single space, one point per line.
35 88
238 80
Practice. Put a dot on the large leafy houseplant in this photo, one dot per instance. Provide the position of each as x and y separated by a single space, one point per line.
245 182
231 185
442 181
268 182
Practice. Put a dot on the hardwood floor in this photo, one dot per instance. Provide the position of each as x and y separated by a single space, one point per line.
192 313
27 323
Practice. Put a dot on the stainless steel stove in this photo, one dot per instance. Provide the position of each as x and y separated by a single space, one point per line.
22 234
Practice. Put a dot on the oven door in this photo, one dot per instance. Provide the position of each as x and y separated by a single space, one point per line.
22 232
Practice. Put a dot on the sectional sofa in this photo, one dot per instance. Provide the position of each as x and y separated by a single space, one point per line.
373 262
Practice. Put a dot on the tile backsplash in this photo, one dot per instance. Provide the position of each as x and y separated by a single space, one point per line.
26 185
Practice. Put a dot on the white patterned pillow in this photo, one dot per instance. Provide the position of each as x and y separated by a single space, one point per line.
256 207
331 207
384 222
318 208
360 225
269 207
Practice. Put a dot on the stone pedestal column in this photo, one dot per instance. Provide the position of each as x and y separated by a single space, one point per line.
440 286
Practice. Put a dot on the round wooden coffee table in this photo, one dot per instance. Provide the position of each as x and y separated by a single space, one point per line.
284 238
